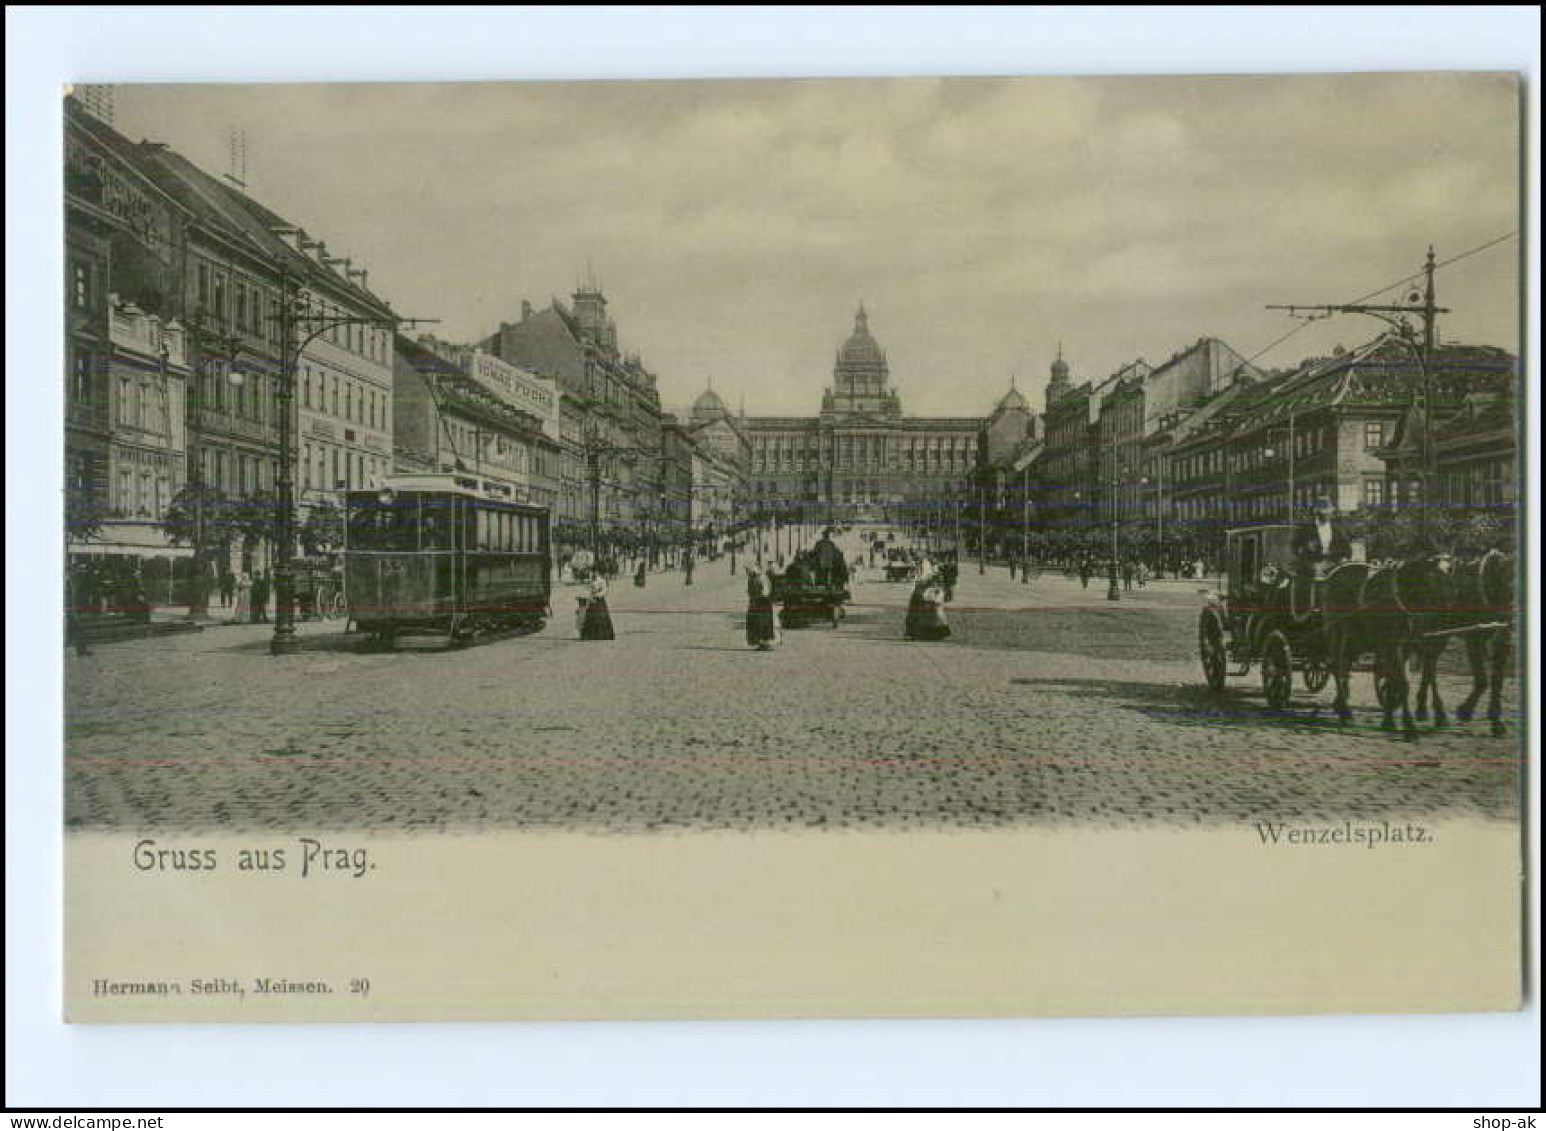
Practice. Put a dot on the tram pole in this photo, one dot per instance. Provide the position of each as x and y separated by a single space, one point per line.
283 641
291 319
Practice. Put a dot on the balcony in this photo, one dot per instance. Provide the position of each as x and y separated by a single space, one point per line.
134 329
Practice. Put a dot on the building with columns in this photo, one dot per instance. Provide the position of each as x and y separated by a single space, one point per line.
861 458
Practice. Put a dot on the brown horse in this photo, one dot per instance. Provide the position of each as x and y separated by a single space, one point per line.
1482 613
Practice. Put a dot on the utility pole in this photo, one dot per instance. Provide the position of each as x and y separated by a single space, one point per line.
982 526
1025 523
1392 314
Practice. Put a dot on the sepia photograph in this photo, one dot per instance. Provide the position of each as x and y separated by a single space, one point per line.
650 548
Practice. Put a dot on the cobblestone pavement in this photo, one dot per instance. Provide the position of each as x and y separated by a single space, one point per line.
1048 705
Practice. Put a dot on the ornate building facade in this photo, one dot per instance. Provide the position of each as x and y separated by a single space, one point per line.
861 459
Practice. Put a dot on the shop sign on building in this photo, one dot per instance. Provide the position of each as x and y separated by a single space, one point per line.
520 389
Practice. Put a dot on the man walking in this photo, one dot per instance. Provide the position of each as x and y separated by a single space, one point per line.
260 598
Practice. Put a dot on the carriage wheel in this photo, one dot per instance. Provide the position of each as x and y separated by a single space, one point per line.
1277 671
1210 646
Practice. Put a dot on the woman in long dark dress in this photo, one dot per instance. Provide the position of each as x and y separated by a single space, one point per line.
926 609
597 624
761 617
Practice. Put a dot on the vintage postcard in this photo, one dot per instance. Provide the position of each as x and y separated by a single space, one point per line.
821 548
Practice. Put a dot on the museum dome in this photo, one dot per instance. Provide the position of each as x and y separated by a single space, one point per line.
709 404
1014 399
861 350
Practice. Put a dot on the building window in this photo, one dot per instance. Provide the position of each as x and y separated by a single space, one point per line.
1373 435
80 285
204 290
80 378
1374 492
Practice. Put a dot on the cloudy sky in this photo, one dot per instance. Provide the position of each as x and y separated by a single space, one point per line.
737 225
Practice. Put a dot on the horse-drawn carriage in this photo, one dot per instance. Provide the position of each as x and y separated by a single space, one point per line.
899 564
1262 616
318 585
804 599
1323 623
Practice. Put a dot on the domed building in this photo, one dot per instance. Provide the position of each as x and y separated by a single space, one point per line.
708 406
861 459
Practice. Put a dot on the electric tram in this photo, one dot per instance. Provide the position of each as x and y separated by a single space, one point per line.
448 555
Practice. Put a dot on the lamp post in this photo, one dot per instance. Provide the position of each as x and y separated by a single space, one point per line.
1025 524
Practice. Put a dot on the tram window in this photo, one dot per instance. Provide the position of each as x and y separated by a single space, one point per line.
364 525
377 526
436 525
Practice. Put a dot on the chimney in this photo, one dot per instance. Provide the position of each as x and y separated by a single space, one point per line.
525 310
360 277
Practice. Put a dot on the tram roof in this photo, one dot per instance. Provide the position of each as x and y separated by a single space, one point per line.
451 483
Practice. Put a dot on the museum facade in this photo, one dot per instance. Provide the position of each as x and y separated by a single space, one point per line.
861 459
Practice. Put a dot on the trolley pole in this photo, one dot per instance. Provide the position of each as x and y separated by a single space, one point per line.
1426 308
283 641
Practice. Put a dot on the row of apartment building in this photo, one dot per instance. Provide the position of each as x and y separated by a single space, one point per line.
183 298
186 297
1174 454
